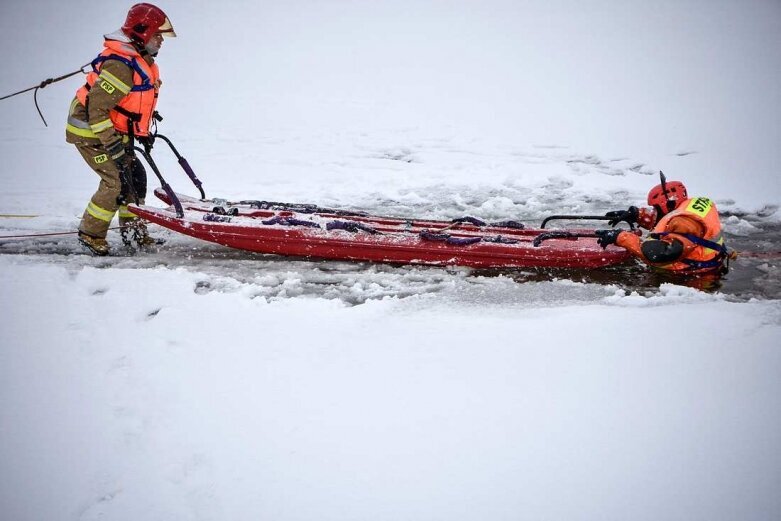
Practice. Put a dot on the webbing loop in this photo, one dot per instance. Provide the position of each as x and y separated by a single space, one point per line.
449 239
350 226
290 221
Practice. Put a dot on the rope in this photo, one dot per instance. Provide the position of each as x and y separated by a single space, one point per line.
757 254
43 84
46 234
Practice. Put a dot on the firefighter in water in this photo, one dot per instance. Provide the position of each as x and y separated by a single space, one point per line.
114 107
685 235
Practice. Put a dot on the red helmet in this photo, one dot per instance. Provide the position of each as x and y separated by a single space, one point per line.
666 197
144 21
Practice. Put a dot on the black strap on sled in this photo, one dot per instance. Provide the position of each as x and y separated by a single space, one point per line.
290 221
449 239
350 226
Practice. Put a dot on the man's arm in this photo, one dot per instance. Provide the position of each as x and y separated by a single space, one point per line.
667 249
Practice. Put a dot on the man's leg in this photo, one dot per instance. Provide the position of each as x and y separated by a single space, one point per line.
133 227
103 205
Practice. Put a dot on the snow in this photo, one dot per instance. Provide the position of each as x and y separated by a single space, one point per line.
199 383
435 406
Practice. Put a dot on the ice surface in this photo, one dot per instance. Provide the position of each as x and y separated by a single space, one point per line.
193 382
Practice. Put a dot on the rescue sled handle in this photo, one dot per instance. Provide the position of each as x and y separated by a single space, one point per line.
184 164
560 234
579 218
169 192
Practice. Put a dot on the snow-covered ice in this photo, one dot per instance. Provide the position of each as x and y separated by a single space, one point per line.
194 382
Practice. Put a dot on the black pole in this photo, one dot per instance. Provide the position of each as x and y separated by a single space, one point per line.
580 218
575 218
559 234
184 164
171 194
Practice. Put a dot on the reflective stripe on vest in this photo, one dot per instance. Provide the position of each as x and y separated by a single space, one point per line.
77 126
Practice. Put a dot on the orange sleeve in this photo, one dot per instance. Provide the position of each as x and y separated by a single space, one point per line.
630 242
685 224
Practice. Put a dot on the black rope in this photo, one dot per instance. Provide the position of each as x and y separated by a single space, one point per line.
43 84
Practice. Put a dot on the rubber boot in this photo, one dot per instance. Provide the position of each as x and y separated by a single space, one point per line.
96 245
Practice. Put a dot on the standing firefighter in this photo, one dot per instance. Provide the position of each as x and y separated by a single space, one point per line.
685 233
116 105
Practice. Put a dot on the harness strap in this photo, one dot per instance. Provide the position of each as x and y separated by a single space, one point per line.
701 265
135 117
721 251
699 241
133 64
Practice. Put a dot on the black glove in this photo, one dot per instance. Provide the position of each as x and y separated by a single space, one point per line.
124 163
607 237
147 141
629 215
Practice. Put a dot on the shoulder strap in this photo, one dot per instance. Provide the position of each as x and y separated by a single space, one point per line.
133 64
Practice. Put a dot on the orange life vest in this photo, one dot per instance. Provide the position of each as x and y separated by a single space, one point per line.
709 251
138 105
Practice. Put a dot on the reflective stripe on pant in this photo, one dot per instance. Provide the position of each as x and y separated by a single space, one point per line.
103 204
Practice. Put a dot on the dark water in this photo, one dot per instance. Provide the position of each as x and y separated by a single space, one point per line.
755 274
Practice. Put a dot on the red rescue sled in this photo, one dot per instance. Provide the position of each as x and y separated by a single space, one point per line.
315 232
